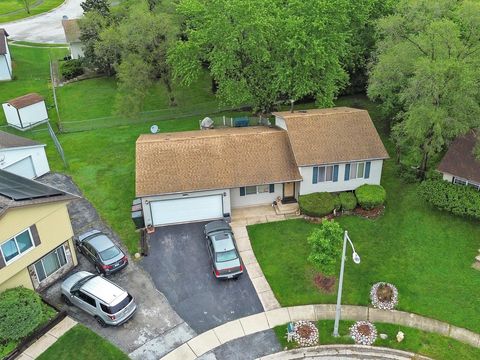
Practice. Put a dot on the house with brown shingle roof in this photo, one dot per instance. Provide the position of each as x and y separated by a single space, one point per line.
202 175
459 165
72 35
25 111
6 72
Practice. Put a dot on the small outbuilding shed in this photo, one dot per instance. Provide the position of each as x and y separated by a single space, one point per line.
26 111
22 156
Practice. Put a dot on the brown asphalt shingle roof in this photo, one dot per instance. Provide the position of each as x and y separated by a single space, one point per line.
460 160
8 140
71 29
25 100
3 41
213 159
323 136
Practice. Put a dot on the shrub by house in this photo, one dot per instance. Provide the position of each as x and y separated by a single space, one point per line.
348 201
318 204
370 196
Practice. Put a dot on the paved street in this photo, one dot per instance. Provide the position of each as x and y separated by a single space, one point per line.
44 28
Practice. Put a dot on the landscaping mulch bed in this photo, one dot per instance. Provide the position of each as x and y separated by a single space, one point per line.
325 283
369 214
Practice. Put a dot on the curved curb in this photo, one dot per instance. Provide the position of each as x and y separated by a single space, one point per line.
333 351
235 329
33 16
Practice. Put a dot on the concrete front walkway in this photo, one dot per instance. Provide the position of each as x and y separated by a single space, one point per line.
46 27
47 340
213 338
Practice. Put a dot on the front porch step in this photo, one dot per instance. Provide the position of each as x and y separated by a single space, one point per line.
287 209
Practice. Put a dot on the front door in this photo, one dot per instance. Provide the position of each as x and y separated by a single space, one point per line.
289 190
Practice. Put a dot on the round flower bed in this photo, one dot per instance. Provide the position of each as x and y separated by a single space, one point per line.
305 333
363 333
384 296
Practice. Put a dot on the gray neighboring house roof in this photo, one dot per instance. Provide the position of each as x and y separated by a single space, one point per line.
8 141
459 159
3 41
72 30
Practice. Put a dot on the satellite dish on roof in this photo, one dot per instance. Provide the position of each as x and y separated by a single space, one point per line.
154 129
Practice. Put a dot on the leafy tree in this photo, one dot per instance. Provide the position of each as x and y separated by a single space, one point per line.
426 75
263 51
100 6
326 243
91 25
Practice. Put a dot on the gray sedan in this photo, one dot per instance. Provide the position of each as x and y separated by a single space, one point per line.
222 249
107 257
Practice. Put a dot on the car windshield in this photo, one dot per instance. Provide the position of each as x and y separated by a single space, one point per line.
226 255
116 308
109 253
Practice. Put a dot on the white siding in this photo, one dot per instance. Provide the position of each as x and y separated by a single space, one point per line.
254 199
448 177
11 114
146 207
306 186
35 113
280 122
76 50
37 153
5 63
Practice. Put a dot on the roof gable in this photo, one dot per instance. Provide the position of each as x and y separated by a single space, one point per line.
3 41
459 159
323 136
213 159
8 141
26 100
72 30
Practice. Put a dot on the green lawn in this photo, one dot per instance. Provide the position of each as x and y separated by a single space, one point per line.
13 9
416 341
31 74
82 344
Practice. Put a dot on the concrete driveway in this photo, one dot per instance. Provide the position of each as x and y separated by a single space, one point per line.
46 27
155 328
180 268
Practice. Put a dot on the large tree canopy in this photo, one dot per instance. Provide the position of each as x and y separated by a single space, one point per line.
263 51
426 74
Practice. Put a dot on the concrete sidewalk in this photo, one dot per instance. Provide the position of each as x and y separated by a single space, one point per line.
211 339
47 340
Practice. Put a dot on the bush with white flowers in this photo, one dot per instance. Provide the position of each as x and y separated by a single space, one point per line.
363 333
305 333
384 296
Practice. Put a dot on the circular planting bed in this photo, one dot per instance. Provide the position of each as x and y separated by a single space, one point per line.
305 333
363 333
384 296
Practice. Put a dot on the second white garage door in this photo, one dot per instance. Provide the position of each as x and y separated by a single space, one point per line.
188 209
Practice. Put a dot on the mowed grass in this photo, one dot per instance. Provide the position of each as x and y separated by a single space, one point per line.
11 10
82 344
420 342
31 74
426 253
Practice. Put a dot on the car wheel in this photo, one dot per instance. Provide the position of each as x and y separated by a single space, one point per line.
66 300
100 321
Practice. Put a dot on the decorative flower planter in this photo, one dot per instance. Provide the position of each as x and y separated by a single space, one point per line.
305 333
384 296
363 333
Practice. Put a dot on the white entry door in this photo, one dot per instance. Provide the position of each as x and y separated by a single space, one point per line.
23 168
187 209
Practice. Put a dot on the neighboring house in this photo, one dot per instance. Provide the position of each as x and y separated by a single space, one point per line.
26 111
459 165
201 175
72 34
6 72
36 246
22 156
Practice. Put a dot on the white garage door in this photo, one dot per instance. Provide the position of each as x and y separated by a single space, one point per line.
186 209
23 168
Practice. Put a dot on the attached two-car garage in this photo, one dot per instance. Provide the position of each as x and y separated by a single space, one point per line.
186 209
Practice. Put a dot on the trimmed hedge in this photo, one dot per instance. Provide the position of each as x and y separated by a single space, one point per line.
459 200
370 196
70 69
318 204
348 201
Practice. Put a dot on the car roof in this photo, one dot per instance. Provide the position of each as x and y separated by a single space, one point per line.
100 242
223 244
104 290
218 225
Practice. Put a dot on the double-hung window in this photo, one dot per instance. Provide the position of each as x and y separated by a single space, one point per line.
325 173
16 246
357 170
50 263
257 189
463 182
